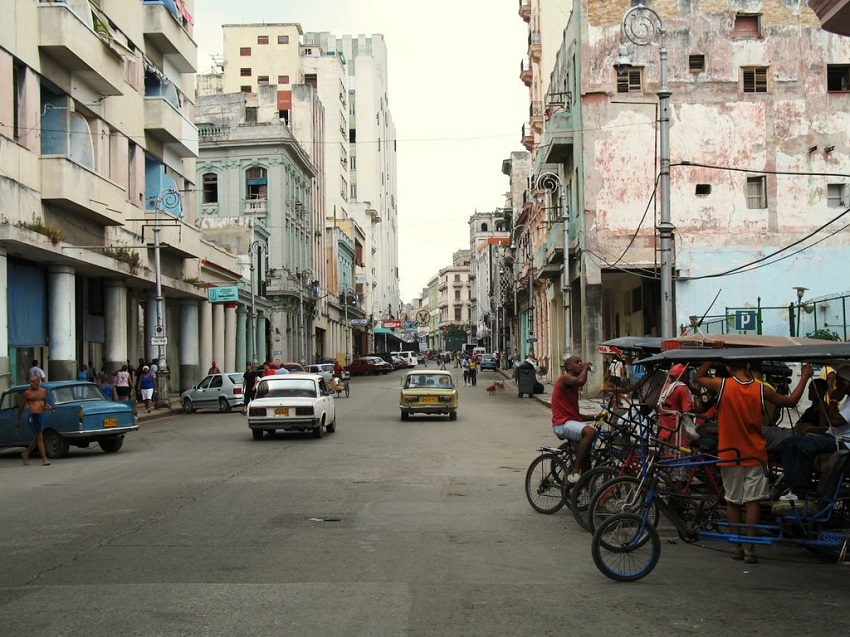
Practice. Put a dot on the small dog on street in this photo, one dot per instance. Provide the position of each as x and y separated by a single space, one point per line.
491 389
496 385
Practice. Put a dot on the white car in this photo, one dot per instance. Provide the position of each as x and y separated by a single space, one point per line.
294 402
325 370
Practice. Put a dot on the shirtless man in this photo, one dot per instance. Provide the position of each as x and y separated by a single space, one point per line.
36 399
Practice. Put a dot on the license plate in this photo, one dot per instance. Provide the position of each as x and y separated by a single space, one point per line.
110 422
429 399
281 411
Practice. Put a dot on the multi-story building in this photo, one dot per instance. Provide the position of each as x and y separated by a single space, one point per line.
456 297
101 261
757 143
489 240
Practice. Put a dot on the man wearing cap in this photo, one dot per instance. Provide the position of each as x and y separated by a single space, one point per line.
799 452
567 420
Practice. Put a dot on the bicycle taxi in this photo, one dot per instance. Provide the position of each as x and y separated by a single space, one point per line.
626 546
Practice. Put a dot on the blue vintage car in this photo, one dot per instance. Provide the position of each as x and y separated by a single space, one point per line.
82 416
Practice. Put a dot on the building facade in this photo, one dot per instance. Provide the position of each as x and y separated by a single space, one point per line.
97 183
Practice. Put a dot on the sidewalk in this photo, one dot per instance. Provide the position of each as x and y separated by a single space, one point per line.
586 405
173 407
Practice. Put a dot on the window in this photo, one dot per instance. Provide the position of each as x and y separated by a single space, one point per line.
210 185
696 63
457 277
18 75
836 195
251 114
838 78
457 295
630 81
756 192
283 39
262 79
256 183
703 189
457 314
283 79
245 72
754 79
245 88
746 26
262 39
245 51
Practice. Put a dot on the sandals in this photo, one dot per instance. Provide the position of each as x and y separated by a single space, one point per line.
749 557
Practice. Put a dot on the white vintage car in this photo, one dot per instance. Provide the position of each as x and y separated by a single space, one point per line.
293 402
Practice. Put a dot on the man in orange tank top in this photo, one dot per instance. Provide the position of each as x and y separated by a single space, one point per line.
740 418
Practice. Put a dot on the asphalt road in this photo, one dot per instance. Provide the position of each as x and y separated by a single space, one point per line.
383 528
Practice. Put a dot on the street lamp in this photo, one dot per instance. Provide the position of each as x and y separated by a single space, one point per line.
800 292
530 258
255 248
641 25
551 181
168 199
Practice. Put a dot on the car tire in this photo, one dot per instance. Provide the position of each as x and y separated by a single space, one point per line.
319 431
452 415
111 445
331 427
55 446
223 404
188 408
405 415
257 434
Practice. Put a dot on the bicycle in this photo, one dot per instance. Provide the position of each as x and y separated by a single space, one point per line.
626 547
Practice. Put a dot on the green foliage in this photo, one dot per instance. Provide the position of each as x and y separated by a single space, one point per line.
37 225
825 334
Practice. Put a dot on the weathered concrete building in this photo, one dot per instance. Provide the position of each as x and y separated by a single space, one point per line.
758 147
97 156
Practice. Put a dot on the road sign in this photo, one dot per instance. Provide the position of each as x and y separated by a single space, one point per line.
531 340
745 320
359 322
223 294
423 316
159 340
392 324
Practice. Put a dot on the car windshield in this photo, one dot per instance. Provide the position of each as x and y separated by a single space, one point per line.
429 380
236 379
74 393
288 389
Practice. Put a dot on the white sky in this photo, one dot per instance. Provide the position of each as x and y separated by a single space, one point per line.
455 96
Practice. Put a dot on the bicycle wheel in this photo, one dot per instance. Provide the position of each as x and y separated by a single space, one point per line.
545 483
620 495
582 492
625 549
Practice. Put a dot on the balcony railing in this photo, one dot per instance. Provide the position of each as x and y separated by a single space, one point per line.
255 206
527 137
525 73
535 48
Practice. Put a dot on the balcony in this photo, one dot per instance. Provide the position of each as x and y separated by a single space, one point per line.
457 284
525 10
67 185
443 285
833 14
559 137
527 137
536 116
535 48
167 124
163 32
553 249
525 73
74 46
257 207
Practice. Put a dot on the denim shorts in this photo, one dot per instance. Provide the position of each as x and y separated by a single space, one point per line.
570 430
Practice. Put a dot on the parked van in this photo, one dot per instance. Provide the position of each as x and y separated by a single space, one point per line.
409 358
479 351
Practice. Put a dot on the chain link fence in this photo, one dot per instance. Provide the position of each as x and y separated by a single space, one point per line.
817 318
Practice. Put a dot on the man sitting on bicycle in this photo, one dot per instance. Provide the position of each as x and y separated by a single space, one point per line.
567 420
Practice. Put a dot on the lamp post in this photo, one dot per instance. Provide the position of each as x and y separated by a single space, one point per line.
552 182
168 198
800 292
255 248
641 25
530 258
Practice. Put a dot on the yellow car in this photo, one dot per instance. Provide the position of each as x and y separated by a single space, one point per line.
428 391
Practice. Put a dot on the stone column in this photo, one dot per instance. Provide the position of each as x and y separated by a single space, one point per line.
5 369
218 337
190 369
262 350
116 324
242 356
61 323
205 336
229 362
